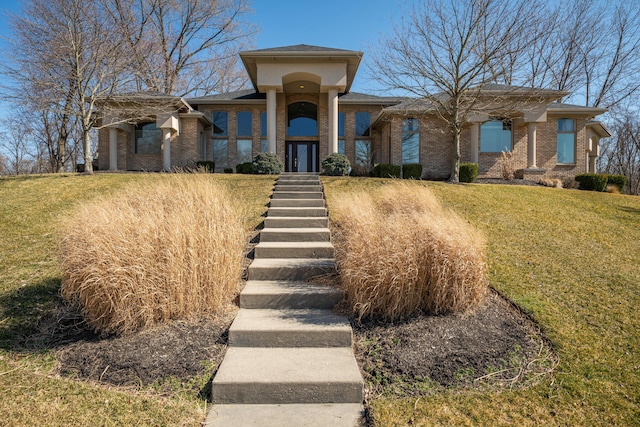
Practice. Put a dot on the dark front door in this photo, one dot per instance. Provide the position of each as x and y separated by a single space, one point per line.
301 157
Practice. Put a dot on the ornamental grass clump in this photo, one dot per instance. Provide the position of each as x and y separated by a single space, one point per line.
171 250
398 252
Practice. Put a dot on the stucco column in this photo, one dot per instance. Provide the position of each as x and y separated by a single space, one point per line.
531 146
113 149
475 132
333 121
593 153
271 121
166 148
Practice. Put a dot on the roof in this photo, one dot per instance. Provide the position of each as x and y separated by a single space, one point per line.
559 107
599 128
147 97
300 53
237 96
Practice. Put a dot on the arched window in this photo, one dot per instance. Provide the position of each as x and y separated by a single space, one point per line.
495 136
302 119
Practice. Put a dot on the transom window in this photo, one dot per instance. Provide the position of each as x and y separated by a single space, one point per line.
220 123
148 138
496 136
220 145
566 141
363 123
302 119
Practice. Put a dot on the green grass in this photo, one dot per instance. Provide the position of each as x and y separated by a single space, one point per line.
571 260
31 210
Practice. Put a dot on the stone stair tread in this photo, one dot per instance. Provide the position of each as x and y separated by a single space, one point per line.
296 221
288 375
288 294
279 415
289 328
300 203
292 262
295 245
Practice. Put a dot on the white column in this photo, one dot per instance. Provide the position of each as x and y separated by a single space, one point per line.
333 121
531 146
166 148
271 121
475 131
113 149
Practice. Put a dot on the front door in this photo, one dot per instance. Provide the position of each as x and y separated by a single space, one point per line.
301 157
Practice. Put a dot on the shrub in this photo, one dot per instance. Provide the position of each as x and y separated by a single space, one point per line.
412 171
228 170
385 170
550 182
398 252
206 165
336 165
468 172
591 181
267 164
173 250
617 180
507 169
245 168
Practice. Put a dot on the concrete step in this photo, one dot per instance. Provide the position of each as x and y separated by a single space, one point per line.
258 375
295 235
290 211
298 177
297 203
289 328
290 187
297 195
294 250
299 415
259 294
307 182
295 222
289 269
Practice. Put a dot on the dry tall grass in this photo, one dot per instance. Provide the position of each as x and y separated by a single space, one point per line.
399 252
169 250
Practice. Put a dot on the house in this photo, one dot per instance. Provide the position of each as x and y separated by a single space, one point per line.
301 107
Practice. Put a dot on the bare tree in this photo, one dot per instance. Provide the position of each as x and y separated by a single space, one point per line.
621 153
20 152
184 46
447 51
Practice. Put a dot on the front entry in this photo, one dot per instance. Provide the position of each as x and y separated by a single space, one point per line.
301 157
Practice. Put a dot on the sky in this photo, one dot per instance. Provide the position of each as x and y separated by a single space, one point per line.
343 24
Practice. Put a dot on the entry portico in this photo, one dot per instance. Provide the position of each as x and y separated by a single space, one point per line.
302 69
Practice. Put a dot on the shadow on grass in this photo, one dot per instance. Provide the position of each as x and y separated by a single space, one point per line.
36 318
627 209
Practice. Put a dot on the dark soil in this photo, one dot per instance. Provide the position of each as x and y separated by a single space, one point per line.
495 345
421 355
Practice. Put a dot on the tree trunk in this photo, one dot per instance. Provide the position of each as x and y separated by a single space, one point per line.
86 144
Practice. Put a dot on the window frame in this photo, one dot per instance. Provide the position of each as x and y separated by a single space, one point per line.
560 133
504 121
139 127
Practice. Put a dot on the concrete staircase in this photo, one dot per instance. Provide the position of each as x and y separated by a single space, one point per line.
290 360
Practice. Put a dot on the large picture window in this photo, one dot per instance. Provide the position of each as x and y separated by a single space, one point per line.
566 141
220 150
410 141
263 132
243 153
148 138
495 136
363 152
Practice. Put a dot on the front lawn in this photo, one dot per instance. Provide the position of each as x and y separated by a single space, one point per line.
569 259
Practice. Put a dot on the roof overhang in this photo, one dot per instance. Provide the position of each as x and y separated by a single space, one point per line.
599 129
303 60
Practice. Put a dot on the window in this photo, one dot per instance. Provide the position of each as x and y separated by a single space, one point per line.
566 141
148 138
341 148
363 152
363 123
202 147
220 123
244 123
410 141
243 153
302 119
263 132
495 136
220 151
